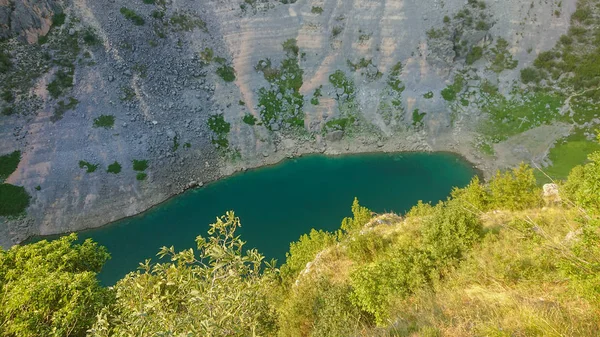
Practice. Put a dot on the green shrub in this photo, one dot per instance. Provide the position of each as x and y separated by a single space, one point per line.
140 165
227 73
250 119
13 201
418 117
61 83
50 288
8 164
104 121
90 38
5 62
316 10
141 176
303 251
515 189
114 168
290 46
63 107
131 15
474 55
428 95
90 168
186 22
530 75
9 110
220 128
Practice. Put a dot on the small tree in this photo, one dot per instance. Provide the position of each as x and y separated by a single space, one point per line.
214 291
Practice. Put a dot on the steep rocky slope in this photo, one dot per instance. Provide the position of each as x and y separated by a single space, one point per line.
288 79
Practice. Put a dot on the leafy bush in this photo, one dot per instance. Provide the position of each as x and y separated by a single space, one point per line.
303 251
515 189
530 75
8 164
250 119
90 168
227 73
316 10
114 168
199 290
220 128
474 55
131 15
104 121
13 200
141 176
61 83
140 165
50 288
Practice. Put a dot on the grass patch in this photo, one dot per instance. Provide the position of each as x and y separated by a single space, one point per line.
141 176
63 107
394 81
13 200
132 16
89 167
340 81
8 164
566 154
226 72
249 119
428 95
140 165
519 114
114 168
104 121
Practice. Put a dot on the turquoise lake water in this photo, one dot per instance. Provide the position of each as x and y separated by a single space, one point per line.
277 204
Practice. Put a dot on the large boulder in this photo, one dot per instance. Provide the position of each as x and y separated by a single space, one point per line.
551 194
27 19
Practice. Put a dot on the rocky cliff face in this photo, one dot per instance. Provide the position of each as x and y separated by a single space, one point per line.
203 89
26 19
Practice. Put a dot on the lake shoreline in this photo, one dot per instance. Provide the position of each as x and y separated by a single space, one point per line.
243 170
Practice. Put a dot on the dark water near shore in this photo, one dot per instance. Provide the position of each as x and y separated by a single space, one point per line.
279 203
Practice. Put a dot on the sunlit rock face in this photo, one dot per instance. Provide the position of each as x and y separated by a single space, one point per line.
26 19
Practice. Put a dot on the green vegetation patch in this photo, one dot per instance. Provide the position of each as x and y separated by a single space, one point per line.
140 165
132 16
501 58
220 129
474 55
316 10
104 121
417 117
342 123
5 62
281 105
114 168
13 200
509 117
394 81
428 95
451 91
340 81
249 119
290 46
315 99
89 167
186 22
8 164
226 72
63 107
63 81
566 154
141 176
